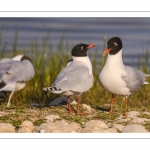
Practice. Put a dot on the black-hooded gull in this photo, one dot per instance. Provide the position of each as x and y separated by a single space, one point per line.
117 78
76 77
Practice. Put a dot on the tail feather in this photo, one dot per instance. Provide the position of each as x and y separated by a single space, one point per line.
146 82
147 75
51 89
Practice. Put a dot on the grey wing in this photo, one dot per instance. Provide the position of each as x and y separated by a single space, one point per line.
78 79
16 71
5 60
133 78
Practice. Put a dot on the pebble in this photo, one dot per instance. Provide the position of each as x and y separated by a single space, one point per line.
146 113
59 126
119 120
96 123
51 118
99 130
134 128
6 128
86 107
138 121
133 114
118 127
26 127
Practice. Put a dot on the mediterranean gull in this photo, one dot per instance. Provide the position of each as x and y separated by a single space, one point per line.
14 72
117 78
76 77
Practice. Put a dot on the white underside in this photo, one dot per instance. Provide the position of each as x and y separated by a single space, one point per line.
67 93
111 75
13 86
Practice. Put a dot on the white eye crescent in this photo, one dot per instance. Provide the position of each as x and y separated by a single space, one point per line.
82 47
115 44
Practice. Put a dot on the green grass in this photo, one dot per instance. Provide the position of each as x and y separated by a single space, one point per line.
48 63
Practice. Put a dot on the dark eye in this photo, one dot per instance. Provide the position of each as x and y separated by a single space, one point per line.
115 44
82 47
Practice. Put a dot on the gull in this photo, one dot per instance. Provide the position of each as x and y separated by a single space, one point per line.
76 77
118 78
14 72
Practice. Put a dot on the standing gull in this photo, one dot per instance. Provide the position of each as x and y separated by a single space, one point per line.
117 78
14 72
76 77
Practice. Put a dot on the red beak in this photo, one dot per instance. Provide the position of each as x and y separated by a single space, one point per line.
91 45
106 51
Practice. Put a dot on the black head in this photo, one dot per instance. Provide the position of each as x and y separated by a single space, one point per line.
26 58
114 45
80 50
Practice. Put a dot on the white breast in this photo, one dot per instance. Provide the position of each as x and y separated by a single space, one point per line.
111 75
86 62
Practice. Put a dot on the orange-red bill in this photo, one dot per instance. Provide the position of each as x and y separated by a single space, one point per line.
91 45
106 51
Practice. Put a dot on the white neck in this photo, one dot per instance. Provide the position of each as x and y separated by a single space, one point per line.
86 61
115 59
17 58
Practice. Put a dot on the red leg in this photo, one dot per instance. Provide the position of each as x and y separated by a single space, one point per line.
78 111
111 105
69 107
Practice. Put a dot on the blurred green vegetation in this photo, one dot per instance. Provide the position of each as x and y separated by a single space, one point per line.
48 63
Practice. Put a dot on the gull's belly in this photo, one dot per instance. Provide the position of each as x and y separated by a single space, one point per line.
113 83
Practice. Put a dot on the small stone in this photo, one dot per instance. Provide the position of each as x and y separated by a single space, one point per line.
134 128
26 127
133 114
95 123
87 130
137 120
98 130
76 127
6 128
2 113
109 130
59 124
41 127
66 129
87 107
123 120
118 126
51 118
146 120
59 127
146 113
48 127
42 131
55 131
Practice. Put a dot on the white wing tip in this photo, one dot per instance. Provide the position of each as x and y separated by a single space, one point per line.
45 89
146 82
